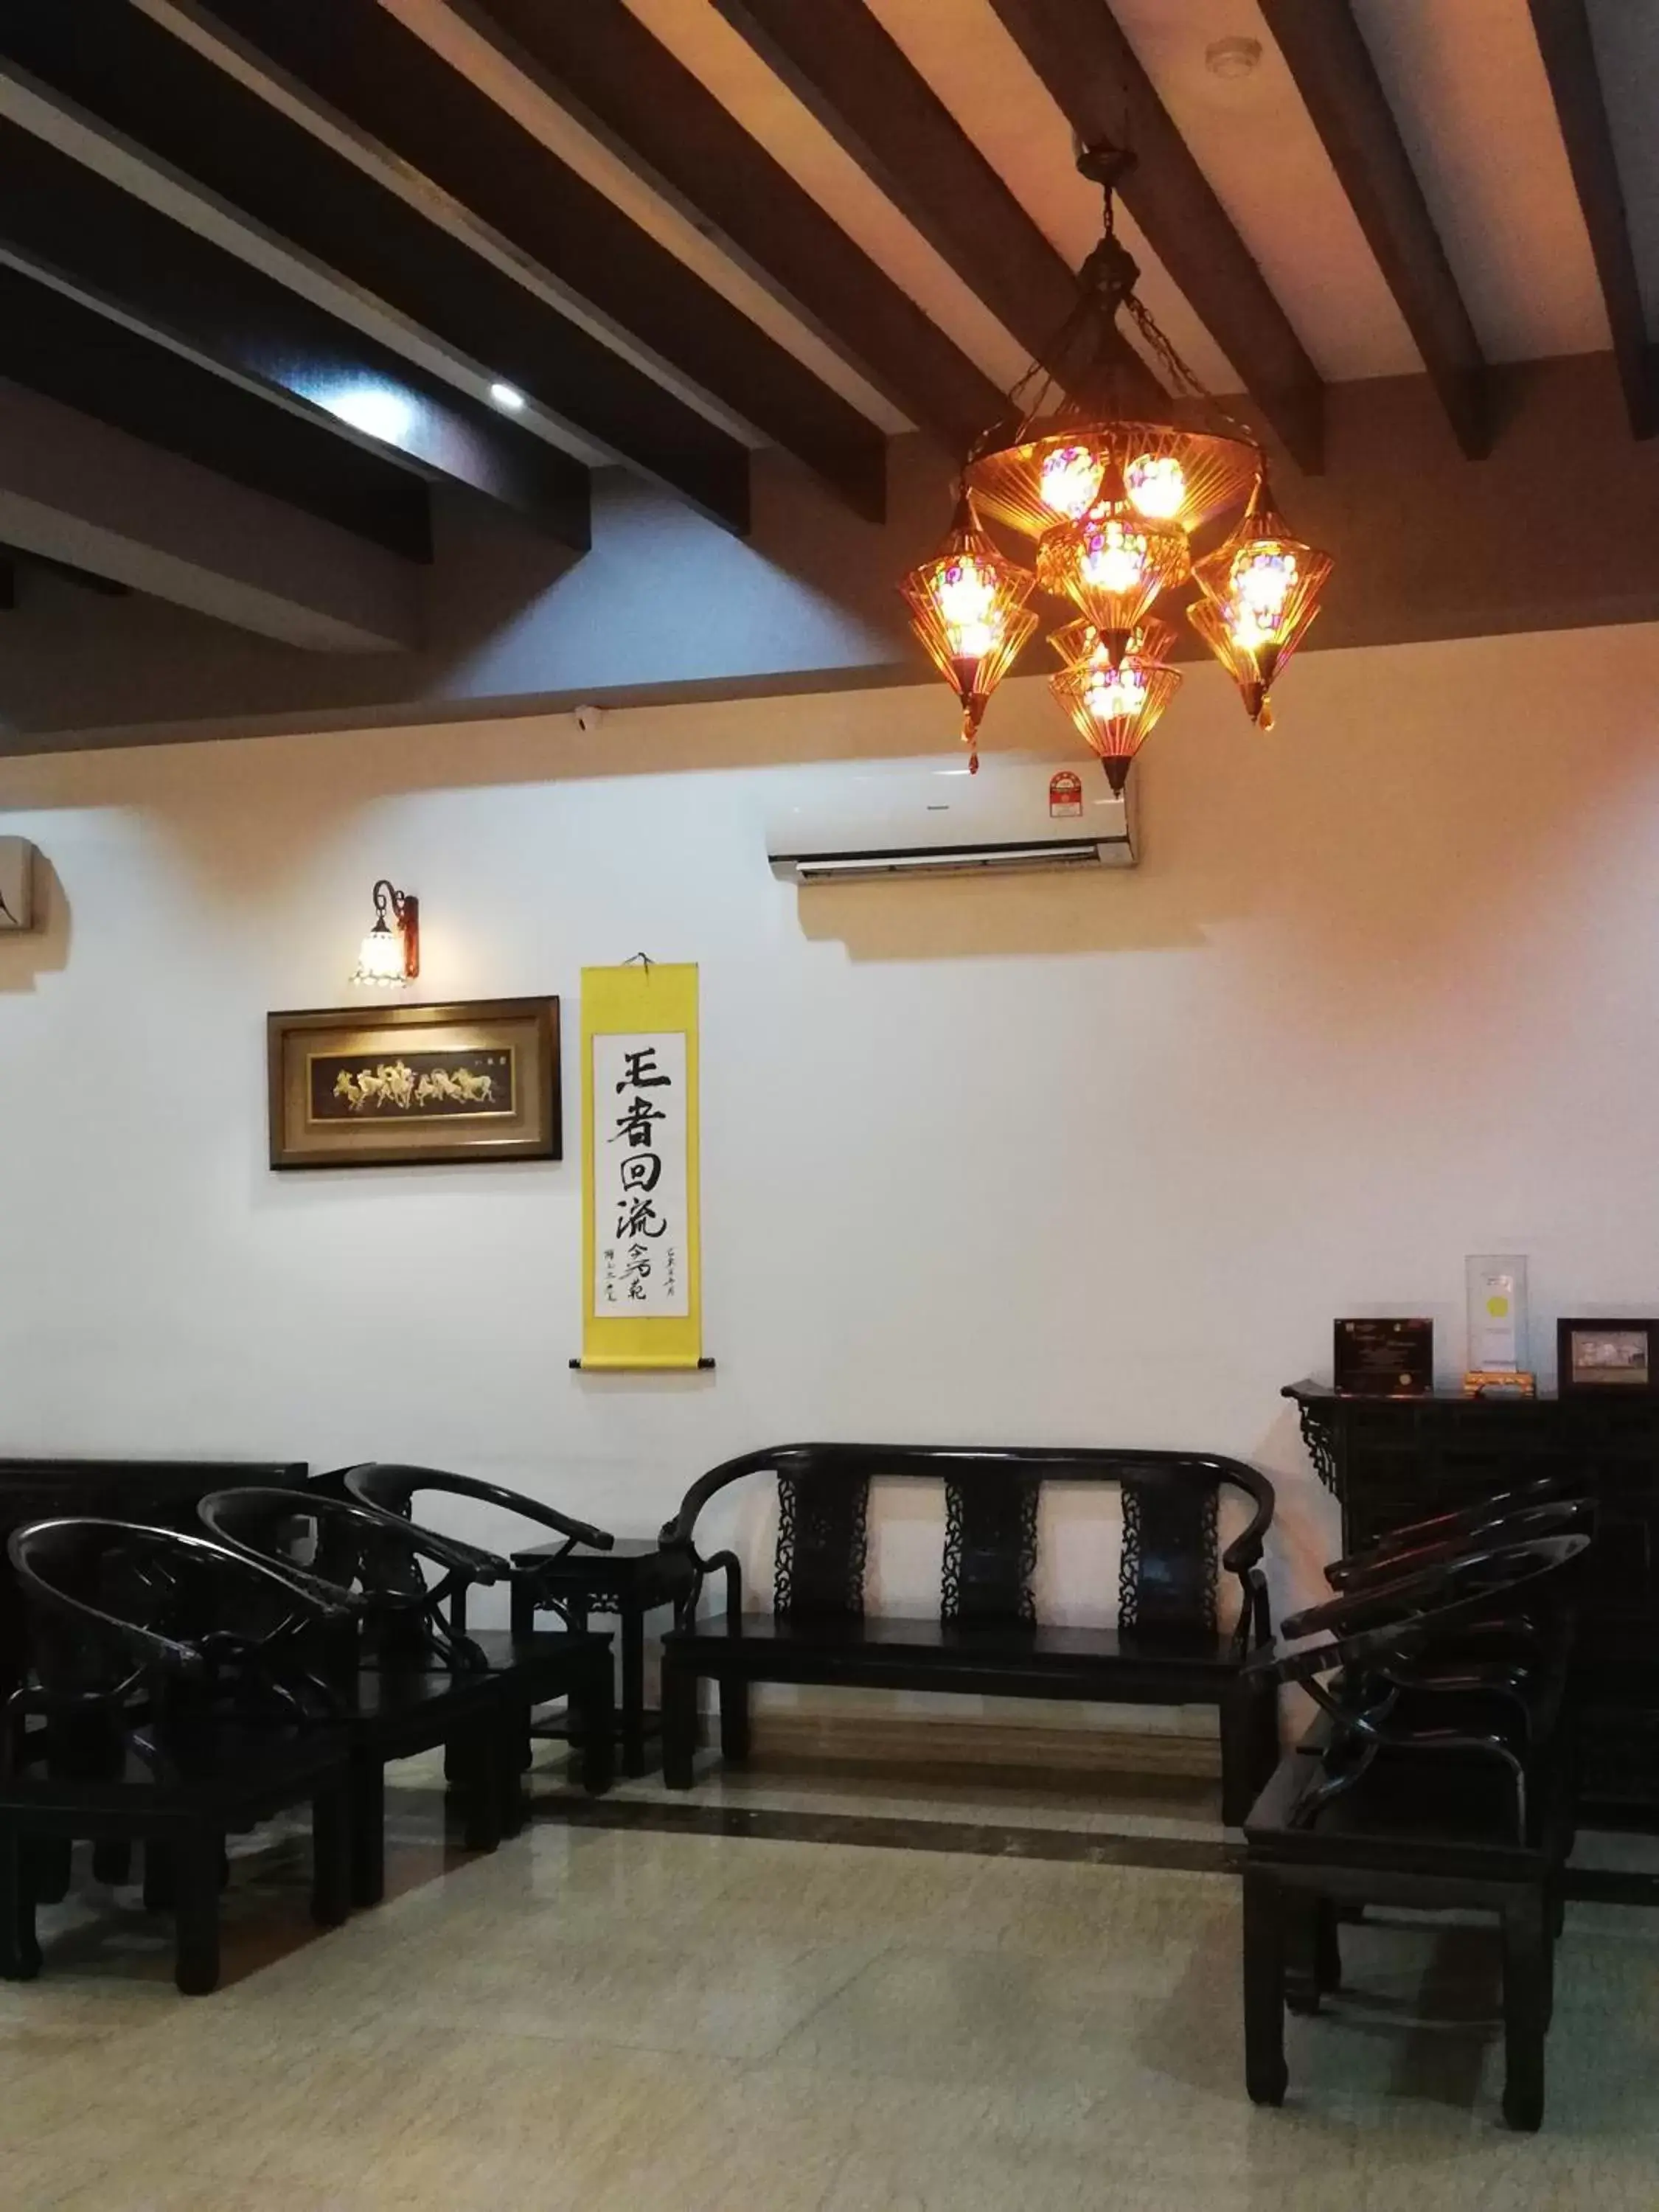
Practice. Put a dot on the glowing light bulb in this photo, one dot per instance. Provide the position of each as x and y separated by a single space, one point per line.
966 600
1263 581
1071 480
1114 557
1112 692
1157 485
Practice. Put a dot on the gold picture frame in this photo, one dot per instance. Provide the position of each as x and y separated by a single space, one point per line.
415 1086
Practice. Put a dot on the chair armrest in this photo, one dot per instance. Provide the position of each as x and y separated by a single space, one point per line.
1479 1528
390 1488
1245 1550
1547 1492
549 1517
1255 1631
470 1561
685 1609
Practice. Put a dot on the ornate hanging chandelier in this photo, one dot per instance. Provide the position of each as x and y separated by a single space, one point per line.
1110 493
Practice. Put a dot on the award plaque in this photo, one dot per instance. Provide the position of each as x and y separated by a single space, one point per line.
1384 1359
1497 1287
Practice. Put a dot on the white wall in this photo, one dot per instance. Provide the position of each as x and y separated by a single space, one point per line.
1029 1160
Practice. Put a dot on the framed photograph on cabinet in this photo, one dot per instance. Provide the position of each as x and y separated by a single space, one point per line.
415 1086
1607 1355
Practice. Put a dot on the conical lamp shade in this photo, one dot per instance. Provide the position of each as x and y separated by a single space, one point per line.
967 607
1113 707
1261 591
1150 639
1112 562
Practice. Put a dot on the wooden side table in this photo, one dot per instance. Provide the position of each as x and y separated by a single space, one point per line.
636 1577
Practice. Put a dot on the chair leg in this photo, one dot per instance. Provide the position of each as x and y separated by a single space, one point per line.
735 1719
20 1954
1526 2004
512 1737
367 1827
593 1710
1249 1744
1328 1947
1265 2076
476 1754
331 1854
52 1860
112 1862
630 1635
1300 1939
196 1873
679 1724
161 1886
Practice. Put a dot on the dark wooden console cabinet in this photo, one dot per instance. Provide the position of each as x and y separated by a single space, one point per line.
1393 1459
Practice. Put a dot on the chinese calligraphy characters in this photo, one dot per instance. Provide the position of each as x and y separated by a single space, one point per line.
640 1173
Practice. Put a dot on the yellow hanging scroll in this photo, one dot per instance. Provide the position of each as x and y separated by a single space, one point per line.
641 1246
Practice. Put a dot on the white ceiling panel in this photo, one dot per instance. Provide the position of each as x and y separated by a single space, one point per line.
729 67
1627 36
977 70
1469 89
1257 146
478 59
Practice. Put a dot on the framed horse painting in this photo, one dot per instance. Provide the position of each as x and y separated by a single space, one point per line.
415 1086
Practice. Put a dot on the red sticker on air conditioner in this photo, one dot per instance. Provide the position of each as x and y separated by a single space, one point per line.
1065 794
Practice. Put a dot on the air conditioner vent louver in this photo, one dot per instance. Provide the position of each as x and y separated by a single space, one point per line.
847 867
848 822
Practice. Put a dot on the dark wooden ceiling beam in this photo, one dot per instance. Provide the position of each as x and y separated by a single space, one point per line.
115 251
56 345
105 60
1094 78
1331 65
841 64
78 490
600 64
84 579
364 65
1563 31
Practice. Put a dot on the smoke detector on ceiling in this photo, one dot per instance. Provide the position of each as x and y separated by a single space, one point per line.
1232 59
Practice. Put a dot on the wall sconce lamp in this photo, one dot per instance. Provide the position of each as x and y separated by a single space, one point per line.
390 953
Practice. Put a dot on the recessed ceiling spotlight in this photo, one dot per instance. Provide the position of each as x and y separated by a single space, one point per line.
1233 57
509 397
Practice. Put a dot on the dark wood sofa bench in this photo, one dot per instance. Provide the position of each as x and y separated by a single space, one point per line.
1167 1647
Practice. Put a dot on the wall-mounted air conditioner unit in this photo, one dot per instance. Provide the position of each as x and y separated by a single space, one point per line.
839 823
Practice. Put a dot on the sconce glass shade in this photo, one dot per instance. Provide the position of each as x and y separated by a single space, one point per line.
1114 702
967 607
381 959
1261 592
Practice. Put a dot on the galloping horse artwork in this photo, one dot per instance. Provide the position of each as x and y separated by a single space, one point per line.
426 1085
415 1085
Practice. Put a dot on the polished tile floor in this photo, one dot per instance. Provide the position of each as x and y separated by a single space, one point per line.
745 2021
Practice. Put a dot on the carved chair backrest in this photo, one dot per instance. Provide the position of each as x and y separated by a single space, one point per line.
1167 1574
